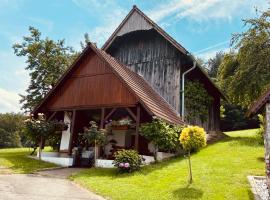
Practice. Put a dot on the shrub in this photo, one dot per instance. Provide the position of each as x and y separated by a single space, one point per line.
163 135
192 138
127 160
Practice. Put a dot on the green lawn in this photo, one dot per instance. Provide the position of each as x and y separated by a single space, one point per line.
15 160
220 172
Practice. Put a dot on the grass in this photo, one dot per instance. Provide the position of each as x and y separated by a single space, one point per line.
220 172
15 160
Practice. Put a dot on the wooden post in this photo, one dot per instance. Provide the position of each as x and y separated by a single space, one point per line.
102 118
71 132
137 127
267 143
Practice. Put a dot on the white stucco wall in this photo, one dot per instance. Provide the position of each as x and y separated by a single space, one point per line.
65 134
56 158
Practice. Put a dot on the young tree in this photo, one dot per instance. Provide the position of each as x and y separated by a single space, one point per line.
192 138
94 136
38 130
46 61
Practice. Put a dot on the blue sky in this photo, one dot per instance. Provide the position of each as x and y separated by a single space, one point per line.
202 26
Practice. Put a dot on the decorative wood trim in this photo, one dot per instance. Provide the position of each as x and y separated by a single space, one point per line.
131 113
137 127
52 115
102 117
91 107
112 111
72 132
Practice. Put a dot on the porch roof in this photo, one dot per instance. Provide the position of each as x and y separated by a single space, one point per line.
259 103
146 95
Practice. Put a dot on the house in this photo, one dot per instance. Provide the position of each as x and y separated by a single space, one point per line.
98 87
136 75
262 105
148 50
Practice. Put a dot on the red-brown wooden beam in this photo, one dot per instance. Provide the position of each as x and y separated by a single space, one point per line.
102 118
110 113
72 132
138 116
132 114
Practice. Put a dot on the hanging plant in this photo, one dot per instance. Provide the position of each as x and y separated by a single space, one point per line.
197 101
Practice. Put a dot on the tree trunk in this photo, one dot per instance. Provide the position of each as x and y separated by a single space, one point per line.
95 153
155 153
190 171
40 148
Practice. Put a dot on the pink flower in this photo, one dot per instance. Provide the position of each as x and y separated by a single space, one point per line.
121 164
126 165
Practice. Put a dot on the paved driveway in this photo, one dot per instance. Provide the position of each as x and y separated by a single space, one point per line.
35 187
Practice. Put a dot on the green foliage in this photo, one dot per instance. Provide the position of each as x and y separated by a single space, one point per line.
213 64
222 111
37 129
9 139
193 138
246 74
127 160
235 119
197 101
163 135
94 135
11 125
46 61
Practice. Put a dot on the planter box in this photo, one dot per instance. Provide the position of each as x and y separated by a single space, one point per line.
104 163
124 127
162 155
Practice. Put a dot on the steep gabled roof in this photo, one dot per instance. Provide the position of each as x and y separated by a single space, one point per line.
259 103
145 94
145 23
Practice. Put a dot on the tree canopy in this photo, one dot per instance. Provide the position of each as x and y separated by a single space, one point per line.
46 61
245 73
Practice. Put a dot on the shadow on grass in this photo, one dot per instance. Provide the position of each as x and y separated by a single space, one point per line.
145 170
188 193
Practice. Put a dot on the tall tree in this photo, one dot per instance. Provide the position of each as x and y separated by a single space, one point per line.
246 74
214 63
46 61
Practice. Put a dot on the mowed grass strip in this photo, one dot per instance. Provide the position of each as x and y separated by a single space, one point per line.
16 160
220 172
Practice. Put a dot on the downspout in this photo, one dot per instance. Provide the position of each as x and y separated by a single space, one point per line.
183 89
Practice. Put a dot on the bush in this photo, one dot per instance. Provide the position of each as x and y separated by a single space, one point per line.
193 138
127 160
163 135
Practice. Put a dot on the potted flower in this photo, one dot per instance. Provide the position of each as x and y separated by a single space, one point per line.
122 124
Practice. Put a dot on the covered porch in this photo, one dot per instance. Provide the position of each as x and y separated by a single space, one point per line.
123 133
99 88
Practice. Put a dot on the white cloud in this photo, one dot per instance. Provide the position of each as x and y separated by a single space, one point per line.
211 53
206 10
9 101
